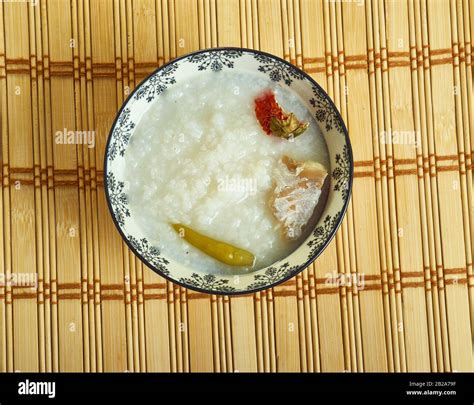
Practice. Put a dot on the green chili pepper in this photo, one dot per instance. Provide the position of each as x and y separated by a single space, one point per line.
224 252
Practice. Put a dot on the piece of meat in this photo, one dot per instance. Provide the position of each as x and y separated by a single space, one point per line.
297 191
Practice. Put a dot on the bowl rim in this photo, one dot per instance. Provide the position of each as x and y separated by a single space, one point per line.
300 267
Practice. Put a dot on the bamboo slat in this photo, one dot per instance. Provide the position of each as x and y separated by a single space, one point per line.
368 259
408 204
22 218
453 267
390 66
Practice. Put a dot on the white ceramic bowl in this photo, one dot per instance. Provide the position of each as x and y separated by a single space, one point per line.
286 75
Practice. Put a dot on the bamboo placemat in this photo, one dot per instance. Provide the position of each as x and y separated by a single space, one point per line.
399 65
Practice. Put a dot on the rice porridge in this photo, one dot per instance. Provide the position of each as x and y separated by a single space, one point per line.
199 157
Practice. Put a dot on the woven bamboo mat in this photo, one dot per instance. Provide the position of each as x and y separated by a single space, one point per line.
401 65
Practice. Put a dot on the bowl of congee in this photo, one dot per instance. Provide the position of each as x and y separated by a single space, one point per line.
228 170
